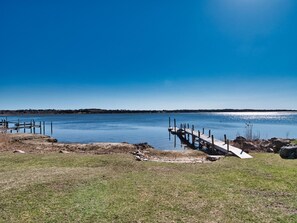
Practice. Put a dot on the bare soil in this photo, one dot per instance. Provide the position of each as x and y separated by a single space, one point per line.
34 143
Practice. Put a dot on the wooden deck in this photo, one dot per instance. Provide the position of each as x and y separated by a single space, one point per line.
209 140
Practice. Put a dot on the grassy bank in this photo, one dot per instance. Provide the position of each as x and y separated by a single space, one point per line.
115 188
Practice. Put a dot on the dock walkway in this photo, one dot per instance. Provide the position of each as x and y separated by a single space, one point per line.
209 140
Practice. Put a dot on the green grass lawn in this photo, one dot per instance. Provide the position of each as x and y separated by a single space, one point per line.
115 188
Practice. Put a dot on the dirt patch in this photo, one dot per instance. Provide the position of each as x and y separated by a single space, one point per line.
34 143
186 156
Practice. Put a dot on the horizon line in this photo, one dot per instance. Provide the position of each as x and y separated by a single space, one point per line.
98 111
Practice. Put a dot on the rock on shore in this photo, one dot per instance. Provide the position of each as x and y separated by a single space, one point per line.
261 145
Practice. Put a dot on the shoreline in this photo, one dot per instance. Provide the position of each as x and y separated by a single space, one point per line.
127 111
41 144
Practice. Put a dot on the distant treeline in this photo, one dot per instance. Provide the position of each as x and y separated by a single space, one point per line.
119 111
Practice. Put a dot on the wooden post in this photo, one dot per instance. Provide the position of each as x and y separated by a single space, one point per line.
209 133
174 125
188 125
212 142
202 130
228 145
24 127
51 128
43 127
169 124
33 126
18 125
225 138
193 137
40 128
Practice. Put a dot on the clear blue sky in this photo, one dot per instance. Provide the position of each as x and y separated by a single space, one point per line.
149 54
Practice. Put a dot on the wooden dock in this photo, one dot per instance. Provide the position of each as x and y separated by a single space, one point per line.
189 134
26 127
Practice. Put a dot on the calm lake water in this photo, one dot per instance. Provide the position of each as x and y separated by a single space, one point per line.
152 128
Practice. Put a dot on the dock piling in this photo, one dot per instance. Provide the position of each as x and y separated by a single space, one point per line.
51 128
18 125
193 136
174 124
43 127
212 142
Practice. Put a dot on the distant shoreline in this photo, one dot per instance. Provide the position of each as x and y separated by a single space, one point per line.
123 111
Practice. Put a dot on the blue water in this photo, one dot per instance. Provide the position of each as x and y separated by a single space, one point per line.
152 128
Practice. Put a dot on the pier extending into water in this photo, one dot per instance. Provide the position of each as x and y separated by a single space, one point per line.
191 136
32 127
